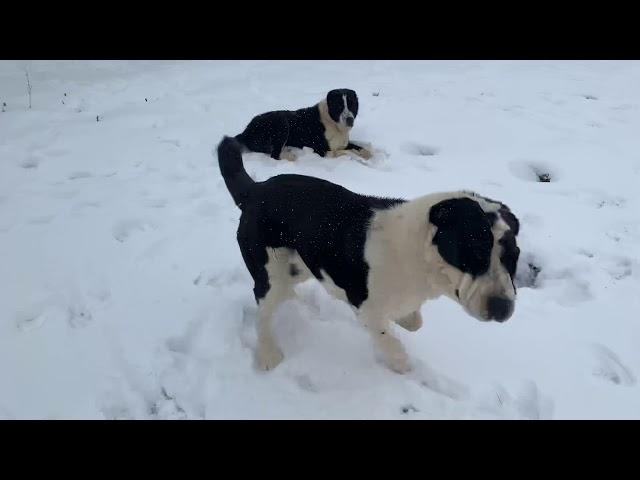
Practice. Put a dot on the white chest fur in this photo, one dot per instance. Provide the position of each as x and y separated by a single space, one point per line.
337 136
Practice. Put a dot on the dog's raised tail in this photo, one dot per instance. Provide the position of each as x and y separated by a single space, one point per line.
238 181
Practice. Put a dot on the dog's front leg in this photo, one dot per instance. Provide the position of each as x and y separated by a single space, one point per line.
336 153
394 353
365 154
361 151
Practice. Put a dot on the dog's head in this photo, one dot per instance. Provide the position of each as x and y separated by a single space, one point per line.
475 240
343 106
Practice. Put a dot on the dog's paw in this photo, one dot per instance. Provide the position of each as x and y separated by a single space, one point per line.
393 353
411 322
399 364
268 357
364 153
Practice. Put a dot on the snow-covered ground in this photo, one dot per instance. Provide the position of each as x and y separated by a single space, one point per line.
124 294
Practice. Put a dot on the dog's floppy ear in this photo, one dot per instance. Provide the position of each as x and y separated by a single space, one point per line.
352 102
510 219
463 237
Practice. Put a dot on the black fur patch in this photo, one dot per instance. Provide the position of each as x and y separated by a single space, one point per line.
335 103
464 237
510 252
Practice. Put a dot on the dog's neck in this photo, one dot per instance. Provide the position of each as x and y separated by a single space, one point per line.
401 228
400 237
329 122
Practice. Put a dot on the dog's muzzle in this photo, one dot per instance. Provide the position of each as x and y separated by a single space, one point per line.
349 121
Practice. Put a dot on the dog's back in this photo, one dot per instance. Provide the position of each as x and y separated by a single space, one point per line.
273 130
324 222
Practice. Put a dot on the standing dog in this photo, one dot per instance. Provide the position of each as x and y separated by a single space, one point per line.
324 127
383 256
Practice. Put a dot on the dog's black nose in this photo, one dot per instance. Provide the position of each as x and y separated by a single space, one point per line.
349 121
499 308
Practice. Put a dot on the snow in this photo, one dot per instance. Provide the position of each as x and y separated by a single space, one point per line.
124 294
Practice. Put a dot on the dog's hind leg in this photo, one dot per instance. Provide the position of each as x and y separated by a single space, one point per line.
411 322
280 289
280 135
271 287
287 154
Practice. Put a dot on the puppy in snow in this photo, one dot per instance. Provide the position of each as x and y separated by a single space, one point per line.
384 256
325 128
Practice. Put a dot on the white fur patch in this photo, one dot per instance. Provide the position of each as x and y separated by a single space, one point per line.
337 135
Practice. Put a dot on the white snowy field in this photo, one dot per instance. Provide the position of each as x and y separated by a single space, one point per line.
124 294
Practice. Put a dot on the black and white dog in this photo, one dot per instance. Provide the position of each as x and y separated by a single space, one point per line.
383 256
324 127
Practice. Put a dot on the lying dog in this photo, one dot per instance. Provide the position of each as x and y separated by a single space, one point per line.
383 256
324 127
